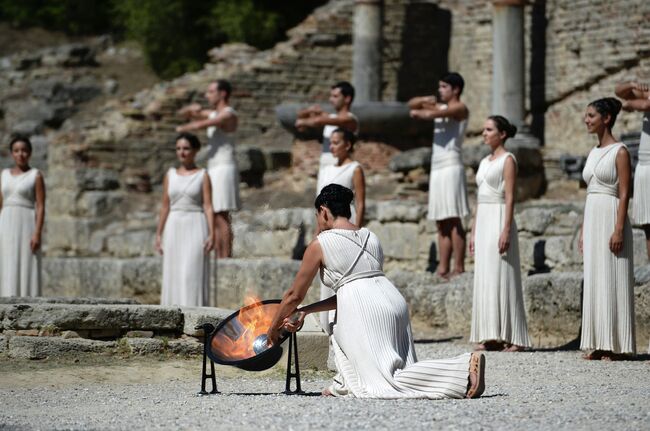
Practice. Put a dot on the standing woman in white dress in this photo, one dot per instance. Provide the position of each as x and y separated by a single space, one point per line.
347 173
220 123
637 98
606 241
373 345
447 186
498 313
185 229
21 223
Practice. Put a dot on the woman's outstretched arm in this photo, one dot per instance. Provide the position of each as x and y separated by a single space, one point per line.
311 262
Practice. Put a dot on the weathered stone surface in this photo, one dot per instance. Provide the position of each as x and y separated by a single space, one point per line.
265 278
640 249
69 334
642 311
52 347
252 165
139 334
553 305
93 317
534 220
185 346
145 346
458 303
397 239
424 293
411 159
642 274
399 210
3 344
266 243
195 316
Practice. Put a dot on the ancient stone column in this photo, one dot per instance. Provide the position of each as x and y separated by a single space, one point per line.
366 57
508 79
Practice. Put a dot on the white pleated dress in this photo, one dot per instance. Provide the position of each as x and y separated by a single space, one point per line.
498 311
20 269
326 158
447 184
372 341
342 175
641 202
608 295
186 268
222 168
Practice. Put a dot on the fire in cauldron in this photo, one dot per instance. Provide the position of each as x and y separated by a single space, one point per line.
240 341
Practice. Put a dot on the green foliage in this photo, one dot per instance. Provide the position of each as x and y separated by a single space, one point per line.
75 17
175 34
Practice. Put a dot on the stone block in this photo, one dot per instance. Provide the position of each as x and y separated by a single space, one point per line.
195 316
54 347
397 239
3 344
185 346
640 248
97 179
139 334
142 278
64 300
145 346
82 277
553 305
458 303
264 278
534 220
265 243
131 243
411 159
424 293
91 317
642 274
98 203
399 211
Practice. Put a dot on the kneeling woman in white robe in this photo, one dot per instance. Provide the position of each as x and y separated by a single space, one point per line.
372 341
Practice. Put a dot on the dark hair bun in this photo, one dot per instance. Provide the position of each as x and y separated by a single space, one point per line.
608 106
337 198
503 125
194 141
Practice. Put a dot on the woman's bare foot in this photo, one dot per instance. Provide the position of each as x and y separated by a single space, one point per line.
480 347
444 275
596 355
327 393
491 345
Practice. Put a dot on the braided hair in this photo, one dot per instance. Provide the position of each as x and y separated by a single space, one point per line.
337 199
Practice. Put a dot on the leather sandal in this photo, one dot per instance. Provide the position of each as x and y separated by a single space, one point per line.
476 367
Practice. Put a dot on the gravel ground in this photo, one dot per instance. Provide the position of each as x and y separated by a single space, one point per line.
544 390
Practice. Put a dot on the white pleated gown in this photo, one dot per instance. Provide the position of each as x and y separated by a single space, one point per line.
372 342
186 268
20 269
498 311
222 168
641 202
341 175
608 298
447 184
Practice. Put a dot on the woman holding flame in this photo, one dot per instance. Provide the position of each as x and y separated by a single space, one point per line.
372 340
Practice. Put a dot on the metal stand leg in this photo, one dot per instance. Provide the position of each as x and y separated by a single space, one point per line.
207 330
293 349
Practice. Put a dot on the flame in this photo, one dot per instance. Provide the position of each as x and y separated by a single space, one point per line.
235 340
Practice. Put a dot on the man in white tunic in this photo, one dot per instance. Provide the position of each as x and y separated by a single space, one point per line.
447 186
637 98
220 123
341 97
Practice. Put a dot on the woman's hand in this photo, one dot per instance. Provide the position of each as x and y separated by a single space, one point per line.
273 335
580 243
294 322
35 243
158 245
208 244
616 242
504 241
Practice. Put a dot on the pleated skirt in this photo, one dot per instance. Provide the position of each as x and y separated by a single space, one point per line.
447 193
498 311
641 202
20 269
374 351
186 268
224 179
608 296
